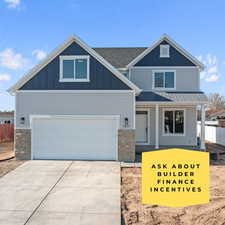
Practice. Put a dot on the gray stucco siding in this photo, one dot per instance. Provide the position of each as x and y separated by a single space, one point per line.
187 79
189 139
46 103
153 58
100 77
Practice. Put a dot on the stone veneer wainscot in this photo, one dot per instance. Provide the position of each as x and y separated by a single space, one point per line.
126 145
23 144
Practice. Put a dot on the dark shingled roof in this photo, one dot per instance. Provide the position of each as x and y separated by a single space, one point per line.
120 57
179 97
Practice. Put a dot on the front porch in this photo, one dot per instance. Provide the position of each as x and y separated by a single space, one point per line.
213 149
163 126
148 148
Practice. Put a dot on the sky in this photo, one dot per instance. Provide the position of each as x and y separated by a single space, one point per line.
30 29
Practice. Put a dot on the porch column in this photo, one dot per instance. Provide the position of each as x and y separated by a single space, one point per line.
157 126
203 127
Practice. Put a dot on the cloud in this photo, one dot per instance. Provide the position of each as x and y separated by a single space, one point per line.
211 72
5 77
212 78
11 60
213 69
13 3
39 54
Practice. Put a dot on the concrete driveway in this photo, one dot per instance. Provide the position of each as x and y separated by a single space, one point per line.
61 193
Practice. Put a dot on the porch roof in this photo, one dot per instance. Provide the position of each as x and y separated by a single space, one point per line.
172 97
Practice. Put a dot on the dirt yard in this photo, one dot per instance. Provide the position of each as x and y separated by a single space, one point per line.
134 213
6 147
6 151
9 165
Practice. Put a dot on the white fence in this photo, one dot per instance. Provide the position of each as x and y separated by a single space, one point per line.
213 134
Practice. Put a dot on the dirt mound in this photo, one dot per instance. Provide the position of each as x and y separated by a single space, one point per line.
134 213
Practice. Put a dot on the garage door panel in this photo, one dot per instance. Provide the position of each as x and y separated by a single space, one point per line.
91 139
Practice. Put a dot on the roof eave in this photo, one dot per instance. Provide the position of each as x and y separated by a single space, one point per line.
57 51
40 65
175 45
170 103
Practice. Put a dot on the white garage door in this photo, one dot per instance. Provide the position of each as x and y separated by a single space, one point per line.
85 138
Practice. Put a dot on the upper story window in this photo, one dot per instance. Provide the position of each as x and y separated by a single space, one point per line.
74 68
164 51
163 80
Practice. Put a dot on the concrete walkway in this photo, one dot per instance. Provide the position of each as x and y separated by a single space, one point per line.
61 192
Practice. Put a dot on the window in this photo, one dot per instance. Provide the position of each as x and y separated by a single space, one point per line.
173 123
74 68
164 51
164 79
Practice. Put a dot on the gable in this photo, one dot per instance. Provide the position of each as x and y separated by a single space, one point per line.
175 59
101 78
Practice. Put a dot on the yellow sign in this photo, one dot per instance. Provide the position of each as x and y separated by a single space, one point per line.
175 177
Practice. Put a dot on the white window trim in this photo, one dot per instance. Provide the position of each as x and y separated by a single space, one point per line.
161 51
74 57
76 91
148 125
163 71
163 116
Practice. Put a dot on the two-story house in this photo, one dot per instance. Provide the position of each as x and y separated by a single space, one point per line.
108 103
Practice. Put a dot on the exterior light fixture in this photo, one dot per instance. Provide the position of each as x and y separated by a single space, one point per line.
126 123
22 120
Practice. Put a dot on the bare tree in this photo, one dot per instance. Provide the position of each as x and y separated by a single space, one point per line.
216 101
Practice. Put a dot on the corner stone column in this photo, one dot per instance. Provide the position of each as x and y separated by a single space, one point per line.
23 144
126 145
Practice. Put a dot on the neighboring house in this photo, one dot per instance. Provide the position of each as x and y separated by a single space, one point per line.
215 114
6 117
106 103
216 117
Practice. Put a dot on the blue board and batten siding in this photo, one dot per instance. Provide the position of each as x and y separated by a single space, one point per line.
153 58
100 77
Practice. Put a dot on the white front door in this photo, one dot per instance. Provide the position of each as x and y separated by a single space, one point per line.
141 132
